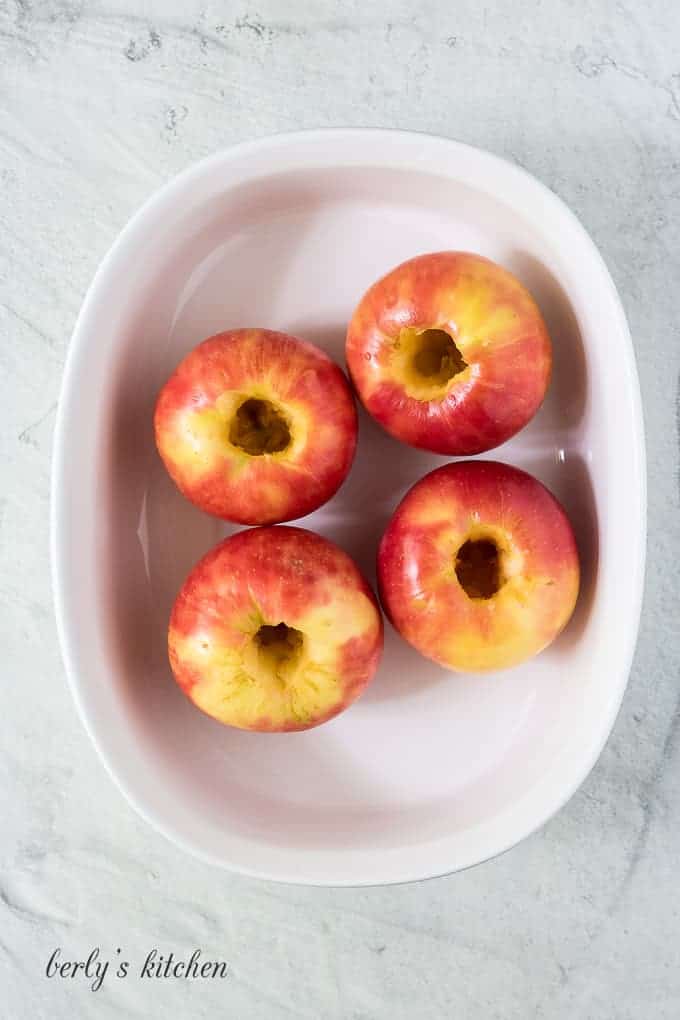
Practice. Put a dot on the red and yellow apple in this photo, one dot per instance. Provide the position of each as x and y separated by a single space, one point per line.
449 353
478 567
257 427
275 629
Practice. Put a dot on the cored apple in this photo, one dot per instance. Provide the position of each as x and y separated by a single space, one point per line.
275 629
257 427
478 567
449 353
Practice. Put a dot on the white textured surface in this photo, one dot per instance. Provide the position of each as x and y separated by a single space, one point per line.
99 103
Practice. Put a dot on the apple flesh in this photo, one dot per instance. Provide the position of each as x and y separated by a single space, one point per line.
449 353
478 567
257 427
275 629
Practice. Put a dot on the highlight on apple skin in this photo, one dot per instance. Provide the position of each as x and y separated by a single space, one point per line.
257 427
449 353
478 568
275 629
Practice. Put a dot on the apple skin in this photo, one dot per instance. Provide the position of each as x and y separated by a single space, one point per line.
197 408
267 577
497 329
480 501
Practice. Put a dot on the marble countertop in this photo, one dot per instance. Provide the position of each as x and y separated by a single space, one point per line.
102 101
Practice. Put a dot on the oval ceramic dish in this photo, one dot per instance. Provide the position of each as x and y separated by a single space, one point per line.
428 772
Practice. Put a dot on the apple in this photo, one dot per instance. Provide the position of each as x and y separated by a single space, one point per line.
449 353
478 567
257 427
275 629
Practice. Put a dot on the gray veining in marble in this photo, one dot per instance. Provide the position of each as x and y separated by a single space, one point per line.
100 102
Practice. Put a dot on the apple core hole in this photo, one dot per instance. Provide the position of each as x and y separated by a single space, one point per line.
436 357
478 568
280 647
259 427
